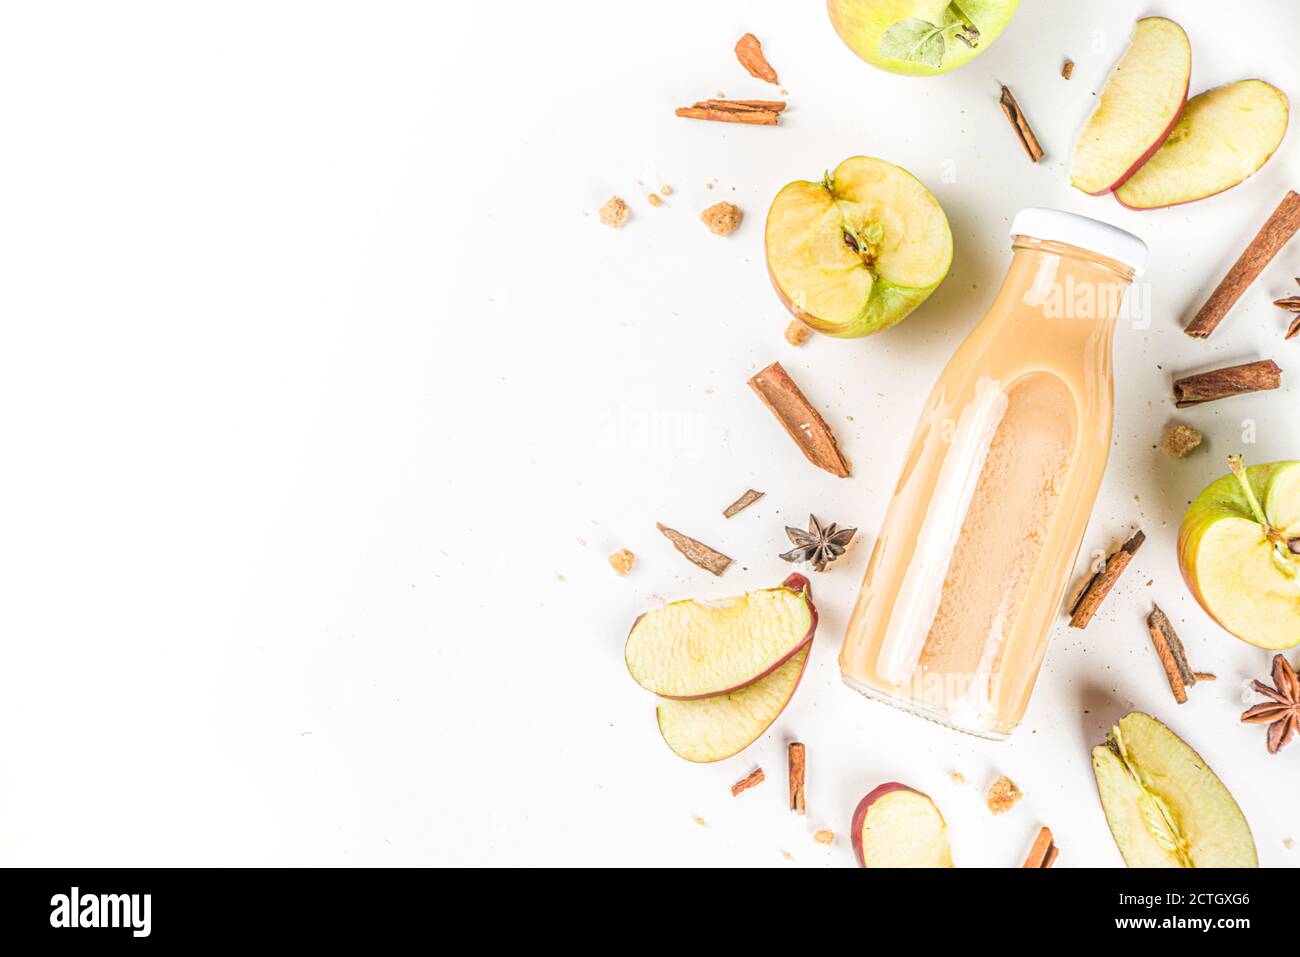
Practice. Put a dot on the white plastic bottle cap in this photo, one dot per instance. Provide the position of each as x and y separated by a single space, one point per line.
1092 234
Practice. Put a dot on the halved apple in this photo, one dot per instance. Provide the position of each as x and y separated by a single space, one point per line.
1138 107
1165 807
895 826
1239 551
1223 137
710 729
694 649
858 251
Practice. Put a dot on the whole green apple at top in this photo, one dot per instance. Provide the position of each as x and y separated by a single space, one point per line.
920 37
1239 551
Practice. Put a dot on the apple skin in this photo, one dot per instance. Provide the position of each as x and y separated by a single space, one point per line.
1222 499
906 298
795 583
860 813
803 670
861 23
851 332
1193 199
1198 761
1159 140
1151 151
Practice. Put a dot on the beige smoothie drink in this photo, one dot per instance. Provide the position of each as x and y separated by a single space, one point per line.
975 553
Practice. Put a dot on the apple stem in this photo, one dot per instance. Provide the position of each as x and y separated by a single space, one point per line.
969 34
1281 546
828 181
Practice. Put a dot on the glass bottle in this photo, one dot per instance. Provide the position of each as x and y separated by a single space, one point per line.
970 567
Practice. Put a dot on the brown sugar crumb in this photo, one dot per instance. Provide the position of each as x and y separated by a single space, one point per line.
1003 796
797 333
1288 843
700 821
1180 440
1067 69
957 777
622 561
654 200
614 213
721 218
666 190
824 836
787 855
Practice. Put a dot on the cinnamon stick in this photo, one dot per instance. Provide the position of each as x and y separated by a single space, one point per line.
752 112
742 503
771 106
1274 234
1044 851
798 799
1222 383
799 419
696 552
1021 125
750 54
1172 656
744 784
1100 584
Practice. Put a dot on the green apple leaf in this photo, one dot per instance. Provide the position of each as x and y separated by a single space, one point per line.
916 40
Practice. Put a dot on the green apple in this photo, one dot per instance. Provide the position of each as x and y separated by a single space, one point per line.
920 37
1165 807
855 253
1239 551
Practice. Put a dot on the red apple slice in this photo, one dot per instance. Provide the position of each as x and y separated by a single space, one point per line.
895 826
695 649
1223 137
1138 108
710 729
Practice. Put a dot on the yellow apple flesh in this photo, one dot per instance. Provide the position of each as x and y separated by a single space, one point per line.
1248 582
855 253
1222 138
1164 805
1138 107
711 729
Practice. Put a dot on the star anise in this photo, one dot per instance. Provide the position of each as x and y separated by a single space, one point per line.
1291 304
819 545
1281 712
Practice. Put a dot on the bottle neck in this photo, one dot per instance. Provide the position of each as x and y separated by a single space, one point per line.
1076 286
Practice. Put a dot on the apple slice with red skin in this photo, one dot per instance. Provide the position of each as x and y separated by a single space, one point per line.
1138 108
896 826
1223 137
710 729
697 649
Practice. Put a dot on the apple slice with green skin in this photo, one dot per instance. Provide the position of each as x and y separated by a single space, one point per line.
1165 807
710 729
895 826
858 251
1138 108
920 37
1223 137
696 649
1239 551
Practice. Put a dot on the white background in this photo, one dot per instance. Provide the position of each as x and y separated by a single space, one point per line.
324 395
